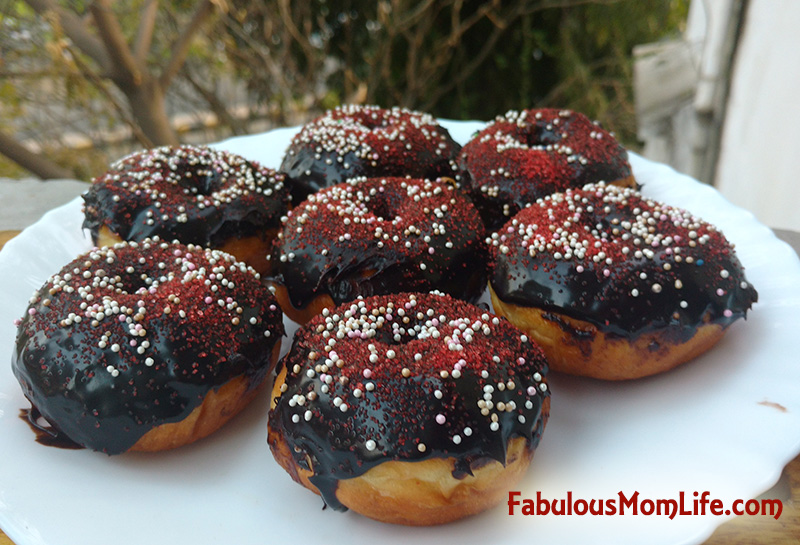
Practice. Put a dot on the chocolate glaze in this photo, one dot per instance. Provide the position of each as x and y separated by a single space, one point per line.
687 272
525 155
194 194
341 243
104 387
45 434
367 141
402 410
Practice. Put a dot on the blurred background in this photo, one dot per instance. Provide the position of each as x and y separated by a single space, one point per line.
84 82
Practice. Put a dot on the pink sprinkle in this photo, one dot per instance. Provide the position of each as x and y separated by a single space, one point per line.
133 343
440 419
606 272
190 266
727 313
208 300
31 311
176 253
121 318
531 390
17 322
520 360
435 322
273 307
229 300
579 268
367 373
720 292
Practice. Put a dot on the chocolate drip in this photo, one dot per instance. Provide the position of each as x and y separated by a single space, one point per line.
417 407
323 252
46 434
523 156
678 280
367 141
193 194
102 384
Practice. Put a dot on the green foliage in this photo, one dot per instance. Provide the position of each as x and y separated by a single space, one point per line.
459 59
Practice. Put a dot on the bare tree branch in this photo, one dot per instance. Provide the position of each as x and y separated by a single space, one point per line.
181 46
38 164
144 34
302 41
76 29
98 82
216 104
111 32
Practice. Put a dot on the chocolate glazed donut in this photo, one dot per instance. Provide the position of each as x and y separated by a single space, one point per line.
414 409
116 346
614 285
377 236
195 194
367 141
524 155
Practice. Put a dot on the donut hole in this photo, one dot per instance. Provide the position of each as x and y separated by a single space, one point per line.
540 134
201 182
371 121
383 206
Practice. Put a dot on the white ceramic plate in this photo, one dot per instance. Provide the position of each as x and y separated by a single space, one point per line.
726 423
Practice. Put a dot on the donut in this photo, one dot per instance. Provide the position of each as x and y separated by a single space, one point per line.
524 155
371 236
354 140
194 194
146 346
614 285
414 409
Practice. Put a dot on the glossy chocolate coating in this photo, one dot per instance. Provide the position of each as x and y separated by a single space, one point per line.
367 141
525 155
376 400
381 235
667 269
194 194
114 344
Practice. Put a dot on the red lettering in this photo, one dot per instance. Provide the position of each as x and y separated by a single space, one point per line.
631 503
772 504
569 502
667 507
682 509
581 507
704 501
542 506
716 507
528 507
511 501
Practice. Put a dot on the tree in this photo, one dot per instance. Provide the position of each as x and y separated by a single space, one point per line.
460 59
102 52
